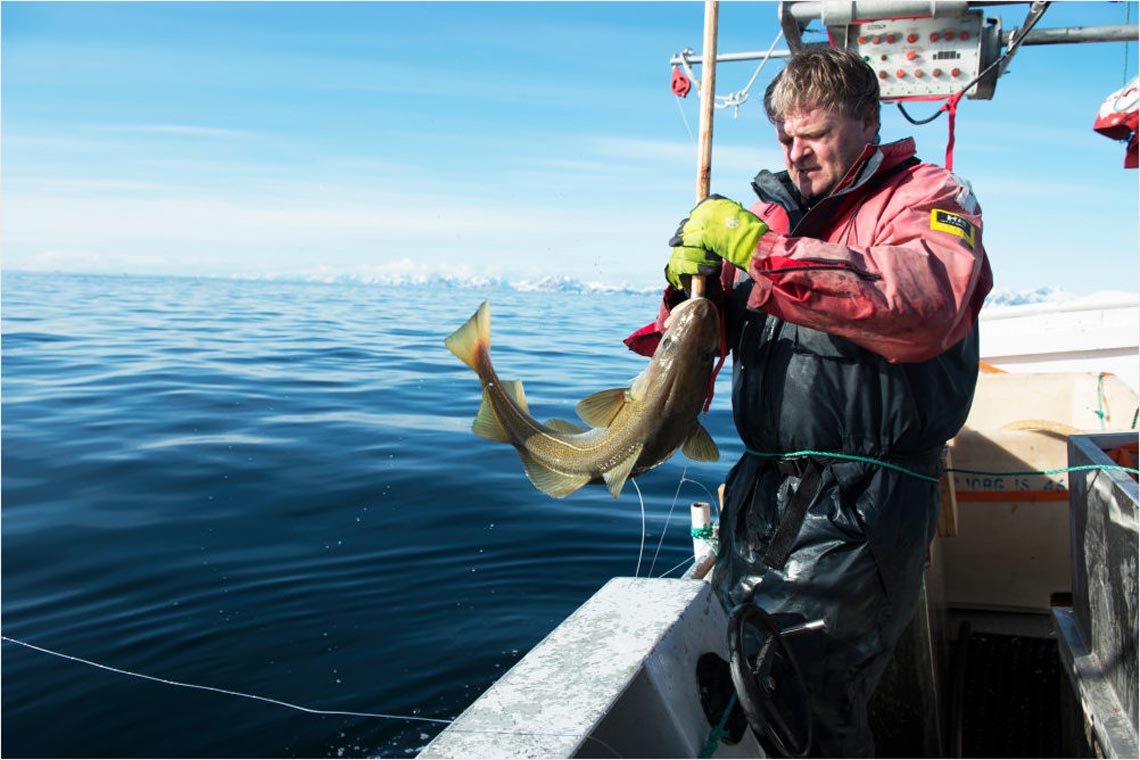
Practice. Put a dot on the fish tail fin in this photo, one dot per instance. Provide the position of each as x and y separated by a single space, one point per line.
473 338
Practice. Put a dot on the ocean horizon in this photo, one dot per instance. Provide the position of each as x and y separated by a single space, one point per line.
552 283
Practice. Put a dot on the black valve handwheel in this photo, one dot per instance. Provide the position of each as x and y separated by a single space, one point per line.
755 677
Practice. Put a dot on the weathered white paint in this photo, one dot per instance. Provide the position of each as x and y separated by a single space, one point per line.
627 658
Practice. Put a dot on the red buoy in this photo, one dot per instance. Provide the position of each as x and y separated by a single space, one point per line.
680 83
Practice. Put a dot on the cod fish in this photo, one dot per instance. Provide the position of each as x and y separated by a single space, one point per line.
632 429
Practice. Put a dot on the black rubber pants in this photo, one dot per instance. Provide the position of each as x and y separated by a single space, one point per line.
856 561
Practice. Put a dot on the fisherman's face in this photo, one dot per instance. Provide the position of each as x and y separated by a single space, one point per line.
820 146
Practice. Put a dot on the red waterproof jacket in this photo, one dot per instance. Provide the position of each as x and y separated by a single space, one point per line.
892 260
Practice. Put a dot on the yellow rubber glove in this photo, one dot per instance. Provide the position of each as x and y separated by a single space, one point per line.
717 227
686 262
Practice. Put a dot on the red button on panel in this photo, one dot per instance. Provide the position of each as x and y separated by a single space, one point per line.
882 75
900 73
862 40
910 54
937 72
890 38
948 36
918 73
955 72
912 38
964 36
875 40
934 36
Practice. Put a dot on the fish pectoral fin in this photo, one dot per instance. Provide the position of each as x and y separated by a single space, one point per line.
599 409
566 426
615 477
514 389
551 482
486 424
700 446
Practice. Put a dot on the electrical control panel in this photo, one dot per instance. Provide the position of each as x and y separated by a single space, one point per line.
926 58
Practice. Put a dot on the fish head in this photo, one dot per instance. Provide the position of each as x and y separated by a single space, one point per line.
694 324
690 346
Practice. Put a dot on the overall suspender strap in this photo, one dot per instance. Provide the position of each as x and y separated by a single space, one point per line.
808 470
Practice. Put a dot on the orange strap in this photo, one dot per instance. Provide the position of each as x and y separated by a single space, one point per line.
992 496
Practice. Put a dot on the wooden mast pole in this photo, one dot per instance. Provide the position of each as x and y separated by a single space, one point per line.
708 102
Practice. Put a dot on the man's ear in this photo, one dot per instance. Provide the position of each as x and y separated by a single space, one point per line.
871 130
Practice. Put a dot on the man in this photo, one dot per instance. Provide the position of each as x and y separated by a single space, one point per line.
850 293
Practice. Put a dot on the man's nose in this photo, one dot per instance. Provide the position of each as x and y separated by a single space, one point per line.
798 150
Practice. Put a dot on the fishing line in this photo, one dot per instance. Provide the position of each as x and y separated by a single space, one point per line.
676 495
291 706
216 690
640 551
712 498
685 119
679 565
669 517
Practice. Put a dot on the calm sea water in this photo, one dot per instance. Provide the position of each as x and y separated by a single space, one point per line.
272 488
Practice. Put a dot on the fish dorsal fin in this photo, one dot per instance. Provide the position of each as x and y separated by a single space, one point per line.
599 409
514 389
616 476
551 482
700 446
474 336
486 424
565 426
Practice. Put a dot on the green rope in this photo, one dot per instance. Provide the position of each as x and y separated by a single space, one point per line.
912 473
852 457
718 733
704 534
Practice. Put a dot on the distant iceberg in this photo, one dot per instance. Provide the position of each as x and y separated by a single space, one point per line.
565 284
461 281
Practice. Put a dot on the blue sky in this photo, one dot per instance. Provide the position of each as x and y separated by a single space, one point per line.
517 140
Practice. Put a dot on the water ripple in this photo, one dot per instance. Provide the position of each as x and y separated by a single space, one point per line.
273 488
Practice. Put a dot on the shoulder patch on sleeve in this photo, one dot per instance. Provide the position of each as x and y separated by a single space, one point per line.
955 224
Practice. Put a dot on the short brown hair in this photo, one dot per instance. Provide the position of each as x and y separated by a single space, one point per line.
820 76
